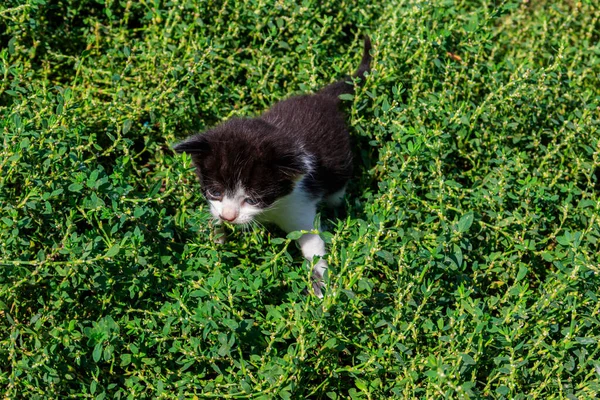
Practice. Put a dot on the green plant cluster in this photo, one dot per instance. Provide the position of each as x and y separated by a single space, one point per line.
466 261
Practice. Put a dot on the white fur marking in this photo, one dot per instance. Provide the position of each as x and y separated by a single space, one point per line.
312 245
293 212
234 209
308 161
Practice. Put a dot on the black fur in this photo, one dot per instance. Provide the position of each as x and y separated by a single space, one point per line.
268 154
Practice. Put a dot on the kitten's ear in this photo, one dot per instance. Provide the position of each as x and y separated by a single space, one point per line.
196 144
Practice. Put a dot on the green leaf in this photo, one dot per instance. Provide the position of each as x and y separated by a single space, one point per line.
586 203
385 106
113 251
246 386
457 255
330 344
17 121
24 145
97 354
387 256
75 187
502 390
564 240
126 126
346 96
467 359
125 359
465 222
294 235
585 340
522 272
362 385
284 394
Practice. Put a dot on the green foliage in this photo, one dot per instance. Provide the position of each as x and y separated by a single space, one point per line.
467 264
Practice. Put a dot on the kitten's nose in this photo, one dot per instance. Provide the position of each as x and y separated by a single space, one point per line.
228 214
227 218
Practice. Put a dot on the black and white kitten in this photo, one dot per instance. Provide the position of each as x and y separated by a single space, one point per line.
278 167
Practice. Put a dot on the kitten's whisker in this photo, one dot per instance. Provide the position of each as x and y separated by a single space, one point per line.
257 224
272 207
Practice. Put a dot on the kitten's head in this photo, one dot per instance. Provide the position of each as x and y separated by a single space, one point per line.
244 167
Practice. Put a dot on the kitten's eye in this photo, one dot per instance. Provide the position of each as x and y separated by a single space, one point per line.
250 201
214 194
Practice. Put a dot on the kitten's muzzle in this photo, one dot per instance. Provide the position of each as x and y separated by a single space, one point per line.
228 214
227 218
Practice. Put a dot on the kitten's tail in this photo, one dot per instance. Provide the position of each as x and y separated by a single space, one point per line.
345 86
365 62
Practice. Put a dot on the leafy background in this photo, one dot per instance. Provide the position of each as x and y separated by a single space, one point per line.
465 263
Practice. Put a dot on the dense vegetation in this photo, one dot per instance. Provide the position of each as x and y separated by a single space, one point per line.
465 262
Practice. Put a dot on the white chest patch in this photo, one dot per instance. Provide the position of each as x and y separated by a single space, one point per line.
293 212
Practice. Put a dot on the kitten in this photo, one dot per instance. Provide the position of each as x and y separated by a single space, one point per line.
278 167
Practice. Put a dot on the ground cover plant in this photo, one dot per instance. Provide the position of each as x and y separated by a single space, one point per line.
465 263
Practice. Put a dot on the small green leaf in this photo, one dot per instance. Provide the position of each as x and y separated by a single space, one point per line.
467 359
246 386
17 120
346 96
563 240
387 256
113 251
97 354
361 385
385 106
585 340
522 272
138 212
126 126
465 222
458 256
125 359
75 187
330 344
284 394
294 235
503 390
586 203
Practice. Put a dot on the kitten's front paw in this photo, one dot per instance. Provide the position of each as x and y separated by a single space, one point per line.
318 287
318 273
